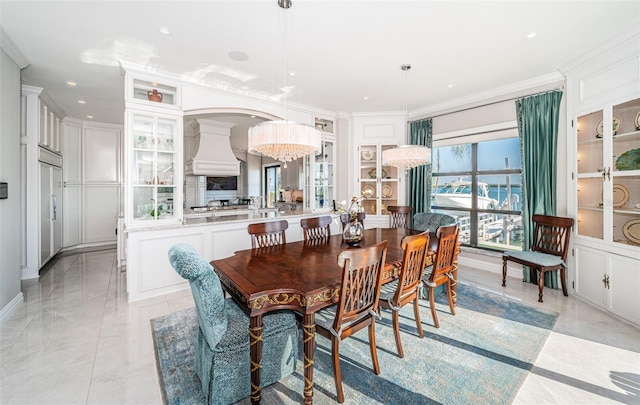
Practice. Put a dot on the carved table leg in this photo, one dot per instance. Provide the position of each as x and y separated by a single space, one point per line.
308 338
255 348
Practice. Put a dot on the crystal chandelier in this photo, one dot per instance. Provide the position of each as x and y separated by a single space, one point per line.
407 156
284 140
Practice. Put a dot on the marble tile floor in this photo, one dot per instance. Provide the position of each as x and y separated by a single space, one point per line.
76 340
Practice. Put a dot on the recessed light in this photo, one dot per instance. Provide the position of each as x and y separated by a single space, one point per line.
164 30
531 35
253 116
239 56
82 102
292 74
72 84
90 116
449 86
365 98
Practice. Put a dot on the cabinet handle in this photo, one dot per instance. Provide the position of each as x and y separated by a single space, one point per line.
605 281
608 173
55 207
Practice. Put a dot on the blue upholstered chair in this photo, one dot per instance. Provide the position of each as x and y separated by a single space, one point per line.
431 221
222 360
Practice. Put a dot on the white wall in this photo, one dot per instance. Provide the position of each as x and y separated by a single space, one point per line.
10 273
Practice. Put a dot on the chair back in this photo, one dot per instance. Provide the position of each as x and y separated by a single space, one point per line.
346 217
206 289
316 228
400 216
265 234
413 263
446 253
361 281
431 221
551 235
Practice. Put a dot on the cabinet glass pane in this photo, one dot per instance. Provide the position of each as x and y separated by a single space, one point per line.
165 134
144 170
143 132
590 207
154 92
590 143
626 210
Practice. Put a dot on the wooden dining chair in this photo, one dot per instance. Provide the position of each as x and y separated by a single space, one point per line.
357 305
400 216
265 234
404 290
316 228
441 273
548 252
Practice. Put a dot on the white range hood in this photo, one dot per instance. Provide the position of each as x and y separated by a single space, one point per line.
213 156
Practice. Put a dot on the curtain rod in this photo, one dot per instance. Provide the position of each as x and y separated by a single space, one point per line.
561 87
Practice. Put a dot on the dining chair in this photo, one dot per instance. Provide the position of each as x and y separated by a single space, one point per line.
266 234
431 221
357 304
316 228
400 216
441 273
222 349
404 290
549 249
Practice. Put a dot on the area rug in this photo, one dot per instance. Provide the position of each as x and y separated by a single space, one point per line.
481 355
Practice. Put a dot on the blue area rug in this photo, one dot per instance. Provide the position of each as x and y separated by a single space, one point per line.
479 356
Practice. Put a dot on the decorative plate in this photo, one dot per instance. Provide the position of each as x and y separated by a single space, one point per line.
630 160
368 191
631 230
373 173
367 155
620 195
387 191
638 122
616 124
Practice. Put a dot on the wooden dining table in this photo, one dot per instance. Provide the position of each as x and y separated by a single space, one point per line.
301 276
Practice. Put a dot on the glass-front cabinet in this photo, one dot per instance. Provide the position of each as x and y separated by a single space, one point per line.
319 185
153 143
378 184
608 174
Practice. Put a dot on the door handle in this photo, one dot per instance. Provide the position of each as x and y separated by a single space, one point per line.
55 206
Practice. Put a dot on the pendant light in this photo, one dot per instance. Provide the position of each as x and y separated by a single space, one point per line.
406 156
284 140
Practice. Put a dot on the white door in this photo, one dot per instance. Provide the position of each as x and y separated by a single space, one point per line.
591 268
56 208
45 213
624 280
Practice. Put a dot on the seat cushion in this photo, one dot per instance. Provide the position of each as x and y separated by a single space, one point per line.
326 316
541 259
237 336
388 291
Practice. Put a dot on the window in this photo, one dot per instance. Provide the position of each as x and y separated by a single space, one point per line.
480 184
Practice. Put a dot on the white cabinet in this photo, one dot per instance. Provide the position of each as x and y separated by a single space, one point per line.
153 145
92 182
378 183
603 91
319 180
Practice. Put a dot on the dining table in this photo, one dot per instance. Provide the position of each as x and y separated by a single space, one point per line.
303 276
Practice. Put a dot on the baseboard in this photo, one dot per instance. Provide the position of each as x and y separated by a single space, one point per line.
94 246
11 307
28 273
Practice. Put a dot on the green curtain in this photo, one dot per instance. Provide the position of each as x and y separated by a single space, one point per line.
538 130
421 133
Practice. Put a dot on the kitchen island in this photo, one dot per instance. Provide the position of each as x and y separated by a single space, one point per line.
214 234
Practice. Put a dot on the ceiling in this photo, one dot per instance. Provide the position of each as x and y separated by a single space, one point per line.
341 51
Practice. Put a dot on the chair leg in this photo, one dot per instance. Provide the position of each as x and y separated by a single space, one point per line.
416 314
372 346
540 285
396 332
337 376
563 280
504 272
432 303
450 298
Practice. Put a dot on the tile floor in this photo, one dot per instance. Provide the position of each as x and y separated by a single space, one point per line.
76 340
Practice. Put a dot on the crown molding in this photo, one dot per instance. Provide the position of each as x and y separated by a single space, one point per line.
12 50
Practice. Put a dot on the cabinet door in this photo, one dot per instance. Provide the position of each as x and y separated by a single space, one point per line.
45 213
591 269
72 218
101 149
101 209
378 182
624 280
591 175
56 207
